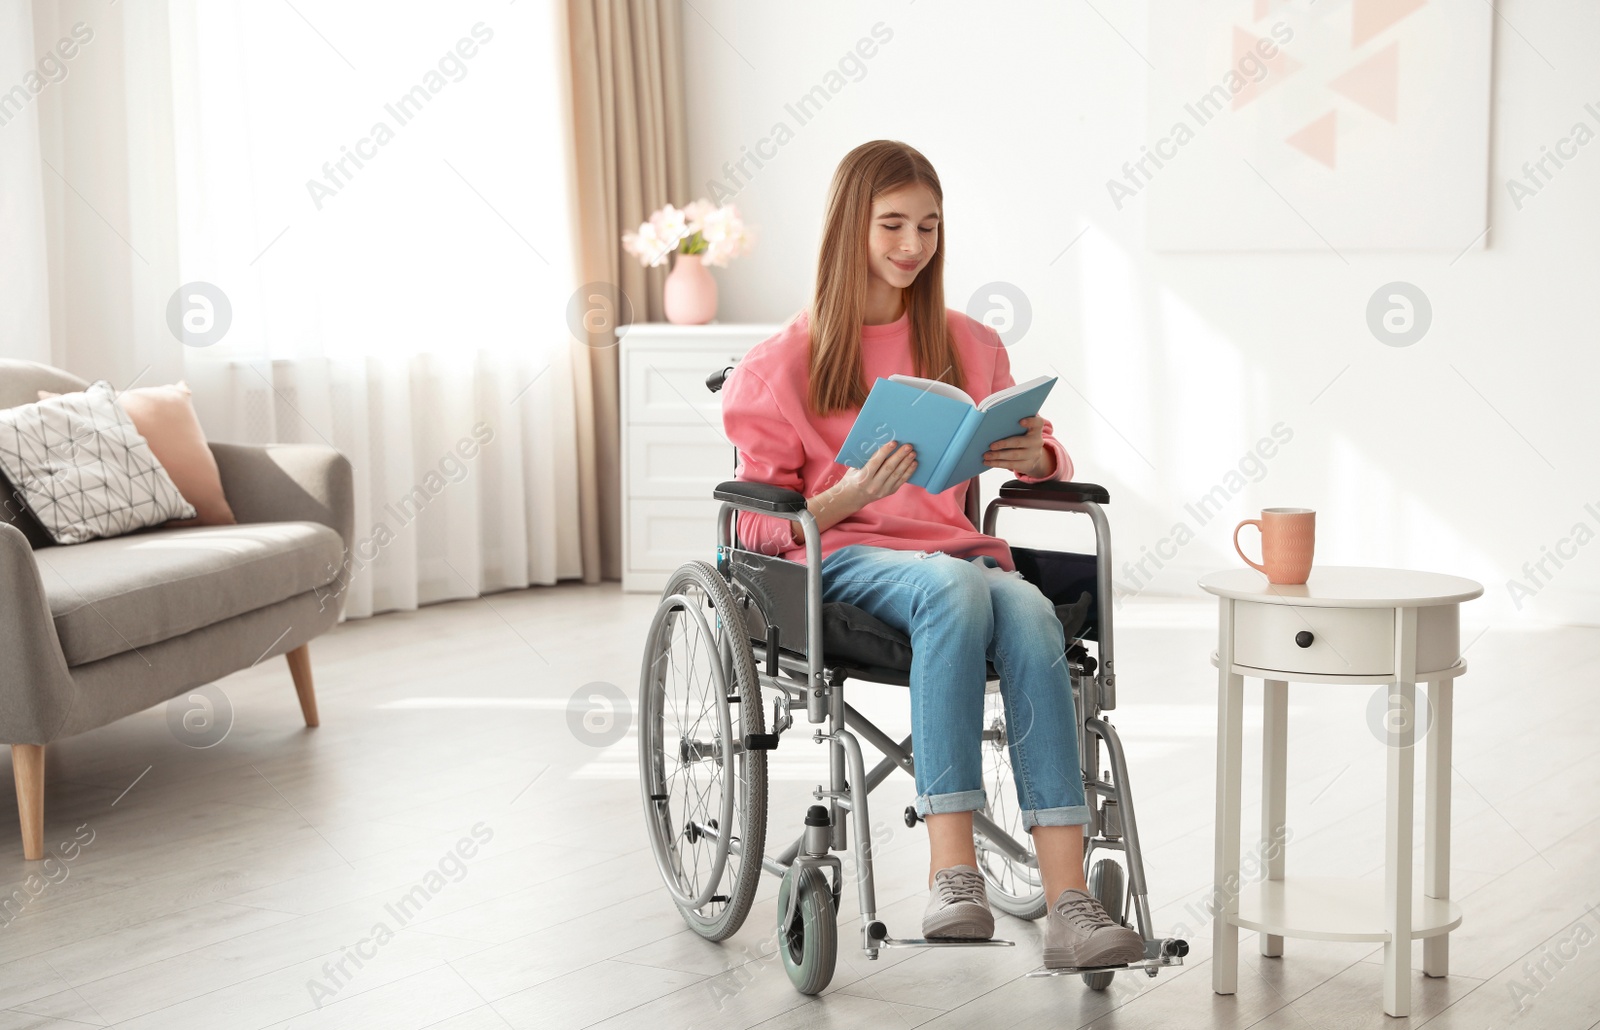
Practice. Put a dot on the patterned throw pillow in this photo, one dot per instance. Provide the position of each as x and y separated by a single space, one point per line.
82 468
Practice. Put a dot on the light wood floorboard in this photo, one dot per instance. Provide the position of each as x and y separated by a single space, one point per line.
314 878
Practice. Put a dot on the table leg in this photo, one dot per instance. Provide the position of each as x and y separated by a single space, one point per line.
1397 821
1225 881
1274 774
1436 847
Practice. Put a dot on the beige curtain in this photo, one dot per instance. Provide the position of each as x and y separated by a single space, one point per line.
629 158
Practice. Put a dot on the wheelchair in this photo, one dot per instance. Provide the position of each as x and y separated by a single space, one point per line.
727 635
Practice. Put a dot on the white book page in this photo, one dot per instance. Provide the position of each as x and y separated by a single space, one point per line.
943 389
1000 396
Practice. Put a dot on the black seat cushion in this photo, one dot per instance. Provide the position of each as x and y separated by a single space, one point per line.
856 639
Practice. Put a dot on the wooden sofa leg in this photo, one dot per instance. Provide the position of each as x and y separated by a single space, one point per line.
27 765
300 669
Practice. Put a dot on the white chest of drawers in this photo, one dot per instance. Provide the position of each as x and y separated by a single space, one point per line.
673 448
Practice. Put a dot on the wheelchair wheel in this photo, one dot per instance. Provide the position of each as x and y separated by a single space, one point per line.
1106 884
698 698
1014 886
809 944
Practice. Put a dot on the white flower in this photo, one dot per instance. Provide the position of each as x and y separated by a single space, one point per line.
647 245
694 214
670 224
726 236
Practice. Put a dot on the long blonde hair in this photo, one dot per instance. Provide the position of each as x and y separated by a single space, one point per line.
840 301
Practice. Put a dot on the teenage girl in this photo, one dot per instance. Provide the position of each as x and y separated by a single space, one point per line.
911 558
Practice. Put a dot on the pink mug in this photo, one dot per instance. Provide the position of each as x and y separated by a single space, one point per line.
1288 538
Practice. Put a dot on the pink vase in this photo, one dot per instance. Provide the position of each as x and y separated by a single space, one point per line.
689 295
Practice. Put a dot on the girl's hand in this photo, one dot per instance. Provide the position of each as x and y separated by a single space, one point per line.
889 468
1023 454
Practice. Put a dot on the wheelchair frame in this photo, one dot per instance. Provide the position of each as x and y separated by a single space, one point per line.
819 688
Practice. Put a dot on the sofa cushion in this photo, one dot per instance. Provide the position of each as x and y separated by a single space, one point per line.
115 595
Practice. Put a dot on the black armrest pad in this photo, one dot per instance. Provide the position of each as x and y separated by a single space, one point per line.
1054 489
762 496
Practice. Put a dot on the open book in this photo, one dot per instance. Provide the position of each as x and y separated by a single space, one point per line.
949 431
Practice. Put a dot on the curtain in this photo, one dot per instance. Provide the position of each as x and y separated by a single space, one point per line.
25 309
374 252
629 158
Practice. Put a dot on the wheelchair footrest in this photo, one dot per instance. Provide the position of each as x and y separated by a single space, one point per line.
760 741
1157 954
923 942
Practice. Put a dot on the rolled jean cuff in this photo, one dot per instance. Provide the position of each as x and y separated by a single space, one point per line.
960 801
1073 815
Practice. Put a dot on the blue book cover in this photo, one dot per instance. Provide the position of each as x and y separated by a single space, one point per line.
949 431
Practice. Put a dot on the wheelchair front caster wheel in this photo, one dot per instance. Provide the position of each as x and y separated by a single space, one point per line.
1106 883
809 943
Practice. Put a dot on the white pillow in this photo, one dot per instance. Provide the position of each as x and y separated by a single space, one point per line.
83 470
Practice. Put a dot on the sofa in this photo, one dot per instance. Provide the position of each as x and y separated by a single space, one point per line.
95 631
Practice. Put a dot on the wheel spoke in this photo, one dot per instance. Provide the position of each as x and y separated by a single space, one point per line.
1012 879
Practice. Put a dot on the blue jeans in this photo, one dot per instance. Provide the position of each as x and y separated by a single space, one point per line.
959 612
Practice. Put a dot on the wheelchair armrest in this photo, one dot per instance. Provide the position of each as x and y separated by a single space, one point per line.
1054 490
761 497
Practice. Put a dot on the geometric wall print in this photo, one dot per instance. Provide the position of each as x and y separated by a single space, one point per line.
1344 124
1374 83
1319 140
1369 18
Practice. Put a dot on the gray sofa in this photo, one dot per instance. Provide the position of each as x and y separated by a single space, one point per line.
95 631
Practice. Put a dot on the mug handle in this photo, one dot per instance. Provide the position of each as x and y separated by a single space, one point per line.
1247 522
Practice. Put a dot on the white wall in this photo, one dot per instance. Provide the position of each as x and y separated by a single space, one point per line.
1470 452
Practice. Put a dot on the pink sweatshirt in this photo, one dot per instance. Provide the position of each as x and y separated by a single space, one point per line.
780 442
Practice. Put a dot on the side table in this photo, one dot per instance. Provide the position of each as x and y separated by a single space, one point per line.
1344 625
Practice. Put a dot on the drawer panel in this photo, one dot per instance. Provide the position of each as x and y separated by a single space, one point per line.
667 387
676 461
1344 641
663 534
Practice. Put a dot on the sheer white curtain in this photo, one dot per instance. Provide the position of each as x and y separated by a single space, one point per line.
24 286
379 197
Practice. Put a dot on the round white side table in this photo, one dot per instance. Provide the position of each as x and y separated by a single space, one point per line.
1343 625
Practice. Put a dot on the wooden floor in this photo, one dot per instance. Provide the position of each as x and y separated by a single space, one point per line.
314 878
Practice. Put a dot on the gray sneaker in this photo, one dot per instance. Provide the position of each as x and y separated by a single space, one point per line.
958 906
1078 932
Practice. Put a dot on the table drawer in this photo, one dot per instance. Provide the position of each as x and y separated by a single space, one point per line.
1344 641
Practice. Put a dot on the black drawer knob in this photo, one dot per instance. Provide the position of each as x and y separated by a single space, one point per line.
1304 638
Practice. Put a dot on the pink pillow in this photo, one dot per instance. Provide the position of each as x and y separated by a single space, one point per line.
164 416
